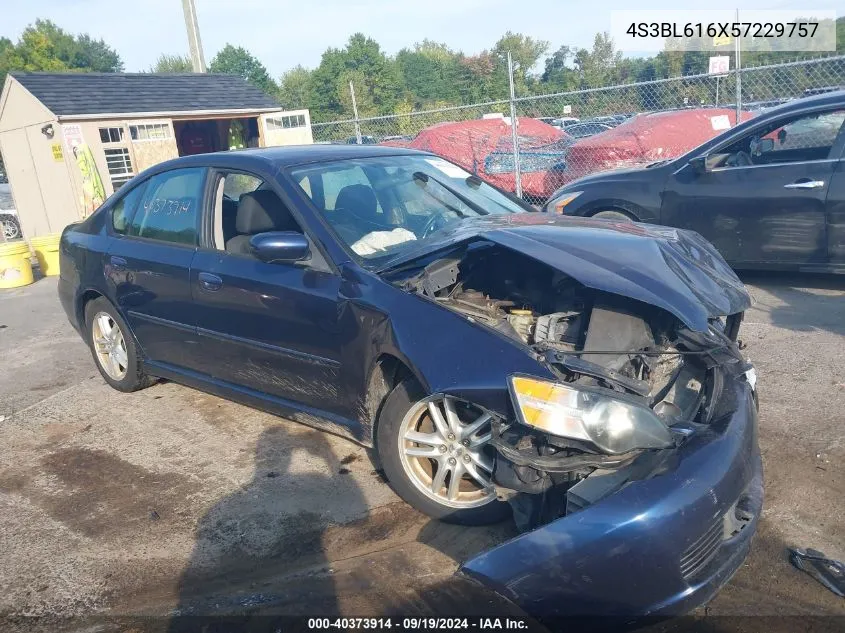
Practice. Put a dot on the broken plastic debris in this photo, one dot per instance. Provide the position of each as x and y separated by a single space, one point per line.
829 572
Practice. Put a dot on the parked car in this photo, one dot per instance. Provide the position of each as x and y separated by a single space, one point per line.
564 121
365 140
9 222
583 130
611 120
586 371
484 147
642 140
768 193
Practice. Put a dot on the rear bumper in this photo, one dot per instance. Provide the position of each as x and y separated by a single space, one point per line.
658 546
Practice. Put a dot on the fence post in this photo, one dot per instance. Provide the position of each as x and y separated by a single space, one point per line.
514 134
355 114
738 64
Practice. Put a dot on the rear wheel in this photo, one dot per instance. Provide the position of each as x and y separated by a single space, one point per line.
113 347
612 214
436 455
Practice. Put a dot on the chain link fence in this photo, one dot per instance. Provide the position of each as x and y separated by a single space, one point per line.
567 135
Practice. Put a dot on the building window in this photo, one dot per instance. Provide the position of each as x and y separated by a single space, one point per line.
150 132
120 166
111 134
285 122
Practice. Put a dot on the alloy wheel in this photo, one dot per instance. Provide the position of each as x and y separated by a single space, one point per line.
443 446
109 345
10 229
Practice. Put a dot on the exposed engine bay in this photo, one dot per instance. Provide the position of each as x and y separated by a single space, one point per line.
610 349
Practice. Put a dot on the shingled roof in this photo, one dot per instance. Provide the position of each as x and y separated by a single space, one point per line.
67 94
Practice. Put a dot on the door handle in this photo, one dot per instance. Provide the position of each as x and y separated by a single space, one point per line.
805 184
118 263
210 282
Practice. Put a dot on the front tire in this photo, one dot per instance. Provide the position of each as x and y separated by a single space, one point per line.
436 455
113 347
10 227
612 214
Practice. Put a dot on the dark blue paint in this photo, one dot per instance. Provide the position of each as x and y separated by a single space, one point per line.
620 556
280 246
302 339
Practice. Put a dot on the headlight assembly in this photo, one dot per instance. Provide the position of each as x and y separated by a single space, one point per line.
557 205
613 426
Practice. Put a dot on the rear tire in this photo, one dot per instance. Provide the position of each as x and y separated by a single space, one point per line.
113 347
614 215
412 475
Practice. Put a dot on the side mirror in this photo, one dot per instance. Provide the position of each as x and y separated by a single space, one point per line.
699 164
280 246
766 145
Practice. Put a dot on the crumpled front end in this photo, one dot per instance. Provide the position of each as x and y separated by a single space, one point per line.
657 537
633 473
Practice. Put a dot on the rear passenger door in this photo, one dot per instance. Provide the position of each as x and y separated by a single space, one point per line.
148 263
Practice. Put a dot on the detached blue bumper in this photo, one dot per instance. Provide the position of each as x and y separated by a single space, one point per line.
662 545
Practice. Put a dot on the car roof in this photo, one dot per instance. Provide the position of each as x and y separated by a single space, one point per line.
281 157
797 105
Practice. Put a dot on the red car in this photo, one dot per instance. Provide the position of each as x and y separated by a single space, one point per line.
485 148
643 139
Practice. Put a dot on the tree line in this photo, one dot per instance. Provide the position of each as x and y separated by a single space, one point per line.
427 75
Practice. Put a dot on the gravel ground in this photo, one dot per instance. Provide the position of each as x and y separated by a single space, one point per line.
172 501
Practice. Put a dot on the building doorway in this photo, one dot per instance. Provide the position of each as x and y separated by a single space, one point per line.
215 135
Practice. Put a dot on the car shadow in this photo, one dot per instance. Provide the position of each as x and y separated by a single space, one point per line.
802 302
270 528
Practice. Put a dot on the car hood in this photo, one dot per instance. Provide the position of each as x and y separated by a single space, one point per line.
676 270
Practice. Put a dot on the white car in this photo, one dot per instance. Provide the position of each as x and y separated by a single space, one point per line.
9 222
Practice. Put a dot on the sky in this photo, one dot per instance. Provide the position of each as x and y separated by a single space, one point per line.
282 33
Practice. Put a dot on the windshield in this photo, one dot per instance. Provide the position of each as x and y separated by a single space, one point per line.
382 206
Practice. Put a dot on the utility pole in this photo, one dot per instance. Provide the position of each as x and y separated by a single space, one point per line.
738 41
514 132
355 114
194 42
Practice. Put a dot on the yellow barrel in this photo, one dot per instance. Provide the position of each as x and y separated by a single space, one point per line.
46 250
15 269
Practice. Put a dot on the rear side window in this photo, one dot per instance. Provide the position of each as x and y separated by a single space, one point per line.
123 209
170 207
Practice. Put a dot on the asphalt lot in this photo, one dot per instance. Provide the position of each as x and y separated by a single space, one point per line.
172 501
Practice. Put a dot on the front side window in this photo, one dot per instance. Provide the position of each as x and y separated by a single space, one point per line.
802 138
382 206
170 207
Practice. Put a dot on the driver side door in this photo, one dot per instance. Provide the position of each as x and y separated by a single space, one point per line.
768 207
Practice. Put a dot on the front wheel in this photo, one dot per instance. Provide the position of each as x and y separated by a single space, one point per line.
436 455
11 227
616 216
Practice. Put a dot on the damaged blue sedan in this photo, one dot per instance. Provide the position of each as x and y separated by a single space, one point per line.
583 376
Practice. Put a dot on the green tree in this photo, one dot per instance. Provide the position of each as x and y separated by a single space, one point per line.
558 75
295 88
525 53
429 74
172 64
236 60
44 46
375 76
